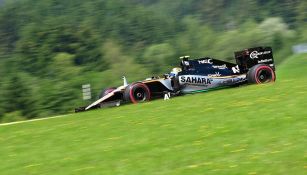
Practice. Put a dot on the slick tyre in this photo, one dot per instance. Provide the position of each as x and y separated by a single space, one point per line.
137 92
260 73
106 91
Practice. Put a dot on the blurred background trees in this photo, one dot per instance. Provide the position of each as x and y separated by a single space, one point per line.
49 48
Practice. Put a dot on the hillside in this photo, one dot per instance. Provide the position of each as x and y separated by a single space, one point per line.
246 130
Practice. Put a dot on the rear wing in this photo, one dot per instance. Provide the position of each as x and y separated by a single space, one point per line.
258 55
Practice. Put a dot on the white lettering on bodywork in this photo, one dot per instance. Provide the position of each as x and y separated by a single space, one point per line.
236 69
255 54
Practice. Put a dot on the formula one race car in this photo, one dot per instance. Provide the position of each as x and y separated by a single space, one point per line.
254 66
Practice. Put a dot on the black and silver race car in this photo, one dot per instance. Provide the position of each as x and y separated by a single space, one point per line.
253 66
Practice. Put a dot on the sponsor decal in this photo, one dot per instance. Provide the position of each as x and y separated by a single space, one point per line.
216 74
167 96
231 81
265 60
255 54
220 66
226 82
207 61
236 69
196 80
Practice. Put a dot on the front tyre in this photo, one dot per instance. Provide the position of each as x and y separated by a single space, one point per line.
137 92
260 73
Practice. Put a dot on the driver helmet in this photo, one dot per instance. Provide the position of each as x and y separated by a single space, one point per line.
175 71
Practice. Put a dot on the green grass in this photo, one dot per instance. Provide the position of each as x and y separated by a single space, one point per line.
247 130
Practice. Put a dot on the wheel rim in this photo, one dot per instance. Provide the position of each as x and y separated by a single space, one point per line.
140 94
264 76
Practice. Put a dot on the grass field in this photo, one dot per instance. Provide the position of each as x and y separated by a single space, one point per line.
247 130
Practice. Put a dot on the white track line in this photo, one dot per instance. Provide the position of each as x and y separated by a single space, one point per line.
33 120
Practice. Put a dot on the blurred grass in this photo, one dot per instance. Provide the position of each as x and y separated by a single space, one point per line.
247 130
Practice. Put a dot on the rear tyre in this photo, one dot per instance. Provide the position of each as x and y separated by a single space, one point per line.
106 91
137 92
260 73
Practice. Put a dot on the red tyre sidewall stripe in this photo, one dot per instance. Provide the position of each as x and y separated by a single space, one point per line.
131 92
264 67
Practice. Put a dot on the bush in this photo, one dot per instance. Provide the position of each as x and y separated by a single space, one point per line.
12 117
